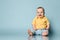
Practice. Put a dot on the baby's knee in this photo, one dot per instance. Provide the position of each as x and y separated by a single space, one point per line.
45 33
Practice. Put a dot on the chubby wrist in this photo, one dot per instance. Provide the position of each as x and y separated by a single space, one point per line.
47 28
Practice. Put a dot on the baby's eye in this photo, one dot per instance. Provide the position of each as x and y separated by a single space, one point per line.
41 12
37 12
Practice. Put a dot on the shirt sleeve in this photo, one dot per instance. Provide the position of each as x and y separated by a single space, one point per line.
47 21
34 21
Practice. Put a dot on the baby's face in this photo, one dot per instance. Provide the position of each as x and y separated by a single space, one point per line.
40 12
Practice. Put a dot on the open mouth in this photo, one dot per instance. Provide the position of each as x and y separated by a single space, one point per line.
39 15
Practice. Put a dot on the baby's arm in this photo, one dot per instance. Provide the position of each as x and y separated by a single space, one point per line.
47 26
34 24
34 27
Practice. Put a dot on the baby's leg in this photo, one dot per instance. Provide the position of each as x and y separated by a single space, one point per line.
45 32
30 32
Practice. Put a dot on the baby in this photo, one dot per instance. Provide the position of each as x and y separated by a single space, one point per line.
40 23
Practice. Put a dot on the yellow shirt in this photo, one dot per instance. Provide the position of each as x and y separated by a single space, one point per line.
40 23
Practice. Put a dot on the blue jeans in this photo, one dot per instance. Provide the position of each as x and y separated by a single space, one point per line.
39 31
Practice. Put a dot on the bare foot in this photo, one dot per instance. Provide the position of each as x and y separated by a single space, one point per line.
30 33
44 33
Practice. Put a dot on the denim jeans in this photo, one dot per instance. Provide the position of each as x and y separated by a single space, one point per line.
40 31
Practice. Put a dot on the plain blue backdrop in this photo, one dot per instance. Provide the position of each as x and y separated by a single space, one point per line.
16 15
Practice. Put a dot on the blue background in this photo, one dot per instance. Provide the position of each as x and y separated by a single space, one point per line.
16 15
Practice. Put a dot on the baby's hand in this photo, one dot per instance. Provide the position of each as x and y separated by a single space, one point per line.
47 28
34 28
